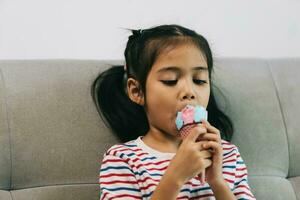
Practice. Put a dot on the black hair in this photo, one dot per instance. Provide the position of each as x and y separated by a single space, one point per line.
127 119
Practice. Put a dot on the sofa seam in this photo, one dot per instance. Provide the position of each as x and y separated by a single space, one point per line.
253 176
8 126
11 195
54 185
282 114
294 188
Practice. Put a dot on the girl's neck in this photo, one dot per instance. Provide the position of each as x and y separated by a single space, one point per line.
162 142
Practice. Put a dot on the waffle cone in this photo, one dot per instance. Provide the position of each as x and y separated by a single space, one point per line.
184 132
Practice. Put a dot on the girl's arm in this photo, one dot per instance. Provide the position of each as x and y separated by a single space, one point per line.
167 189
214 173
182 167
215 177
222 191
241 188
219 186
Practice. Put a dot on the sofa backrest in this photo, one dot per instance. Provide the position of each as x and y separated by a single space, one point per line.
52 139
263 101
51 136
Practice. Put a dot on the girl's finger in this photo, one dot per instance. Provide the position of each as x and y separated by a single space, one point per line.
194 133
217 148
205 154
207 162
210 137
211 128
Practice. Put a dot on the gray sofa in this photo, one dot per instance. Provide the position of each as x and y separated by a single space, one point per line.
52 138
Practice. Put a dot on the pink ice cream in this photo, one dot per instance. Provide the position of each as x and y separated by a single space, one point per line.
188 118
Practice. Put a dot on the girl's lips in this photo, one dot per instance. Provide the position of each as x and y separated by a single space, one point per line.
184 106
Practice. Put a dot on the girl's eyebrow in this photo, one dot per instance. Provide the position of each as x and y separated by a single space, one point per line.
177 69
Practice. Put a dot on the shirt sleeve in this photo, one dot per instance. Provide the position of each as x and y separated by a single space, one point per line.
117 179
241 187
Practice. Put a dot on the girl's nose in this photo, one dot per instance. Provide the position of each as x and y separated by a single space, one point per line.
187 91
188 94
188 97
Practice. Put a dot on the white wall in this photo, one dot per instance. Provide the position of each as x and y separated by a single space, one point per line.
92 29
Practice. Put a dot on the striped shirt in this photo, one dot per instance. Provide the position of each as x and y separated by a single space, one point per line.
132 170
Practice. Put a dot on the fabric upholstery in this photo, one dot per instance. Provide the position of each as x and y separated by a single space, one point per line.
52 139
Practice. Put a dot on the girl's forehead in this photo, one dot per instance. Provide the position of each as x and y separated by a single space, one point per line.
178 69
182 57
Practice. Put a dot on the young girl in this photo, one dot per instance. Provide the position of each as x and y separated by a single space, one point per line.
167 67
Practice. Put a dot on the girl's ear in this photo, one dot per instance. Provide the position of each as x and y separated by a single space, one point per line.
135 92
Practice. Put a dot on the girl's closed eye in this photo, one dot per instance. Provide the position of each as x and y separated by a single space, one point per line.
169 82
199 81
174 82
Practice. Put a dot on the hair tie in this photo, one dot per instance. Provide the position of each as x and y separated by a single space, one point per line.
125 77
137 33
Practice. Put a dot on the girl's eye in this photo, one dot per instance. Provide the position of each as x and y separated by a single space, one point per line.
199 82
173 82
170 82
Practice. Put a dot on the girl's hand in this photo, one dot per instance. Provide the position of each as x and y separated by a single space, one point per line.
213 173
190 158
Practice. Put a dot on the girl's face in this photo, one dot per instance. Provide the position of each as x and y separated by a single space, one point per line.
177 78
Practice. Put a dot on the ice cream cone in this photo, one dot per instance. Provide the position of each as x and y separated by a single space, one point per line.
186 120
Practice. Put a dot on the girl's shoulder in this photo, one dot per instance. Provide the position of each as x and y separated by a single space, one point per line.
226 143
229 147
121 149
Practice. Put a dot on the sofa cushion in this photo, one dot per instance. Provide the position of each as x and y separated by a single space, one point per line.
262 98
5 151
286 73
55 134
52 139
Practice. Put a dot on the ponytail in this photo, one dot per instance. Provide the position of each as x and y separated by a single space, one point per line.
126 119
218 118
